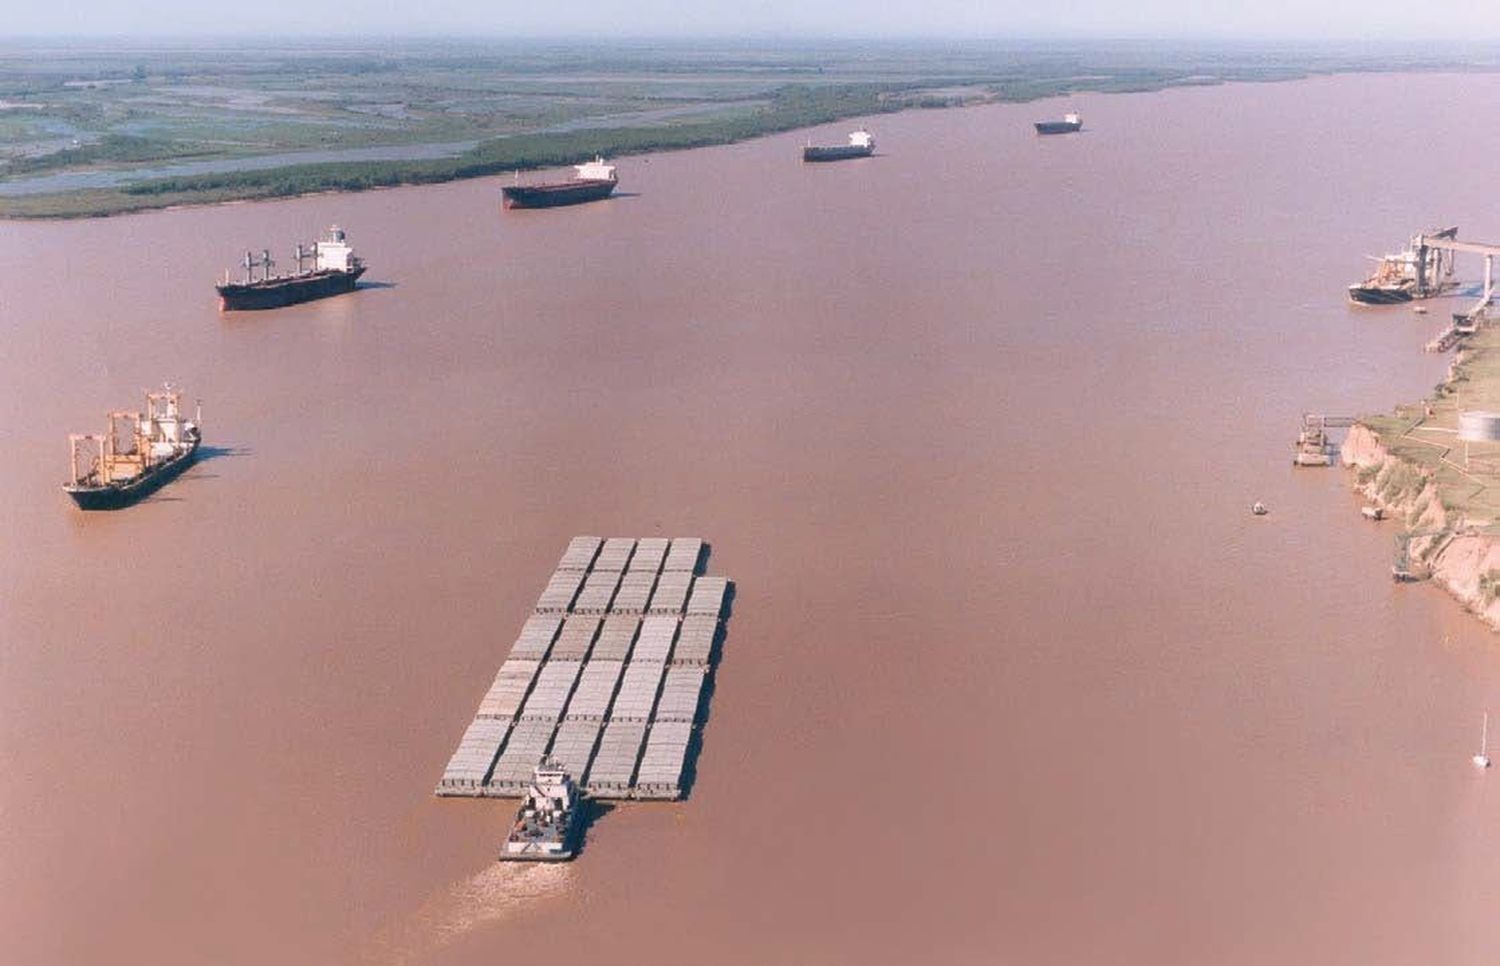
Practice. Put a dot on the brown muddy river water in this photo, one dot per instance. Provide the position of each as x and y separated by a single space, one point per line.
1013 675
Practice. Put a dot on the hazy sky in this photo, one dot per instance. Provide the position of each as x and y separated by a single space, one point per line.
1312 19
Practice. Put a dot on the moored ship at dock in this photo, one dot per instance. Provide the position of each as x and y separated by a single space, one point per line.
861 145
595 181
137 455
335 270
1070 124
1420 271
547 825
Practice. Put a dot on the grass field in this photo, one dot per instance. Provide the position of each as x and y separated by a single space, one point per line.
113 117
1425 434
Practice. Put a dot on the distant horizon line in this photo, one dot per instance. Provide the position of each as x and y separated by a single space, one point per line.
471 38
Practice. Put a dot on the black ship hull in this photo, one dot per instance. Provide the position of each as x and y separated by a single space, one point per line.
842 153
277 292
1373 295
117 496
556 195
1058 127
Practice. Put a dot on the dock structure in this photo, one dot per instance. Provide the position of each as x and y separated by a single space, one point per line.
607 676
1445 241
1314 446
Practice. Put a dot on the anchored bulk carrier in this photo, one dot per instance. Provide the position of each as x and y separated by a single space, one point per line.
547 826
1070 124
595 180
1419 272
861 145
137 455
334 271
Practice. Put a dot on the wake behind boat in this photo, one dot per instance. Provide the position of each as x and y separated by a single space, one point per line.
594 181
138 454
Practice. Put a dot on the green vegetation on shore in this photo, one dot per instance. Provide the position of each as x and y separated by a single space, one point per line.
112 117
1423 437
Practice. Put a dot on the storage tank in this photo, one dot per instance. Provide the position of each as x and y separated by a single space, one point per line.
1479 427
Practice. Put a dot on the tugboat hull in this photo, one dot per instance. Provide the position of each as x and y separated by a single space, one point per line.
278 292
117 496
1058 127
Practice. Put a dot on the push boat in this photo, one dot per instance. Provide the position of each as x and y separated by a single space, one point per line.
593 182
549 821
136 456
1418 272
335 270
861 145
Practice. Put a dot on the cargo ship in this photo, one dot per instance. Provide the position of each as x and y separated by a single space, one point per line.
547 826
594 181
1419 272
1070 124
861 145
334 271
136 456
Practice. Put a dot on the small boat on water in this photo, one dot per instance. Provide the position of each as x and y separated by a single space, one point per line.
594 181
1372 512
1070 124
1259 509
138 454
861 145
549 821
1420 271
1482 760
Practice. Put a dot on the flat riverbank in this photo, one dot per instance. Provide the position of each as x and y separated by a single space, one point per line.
90 133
